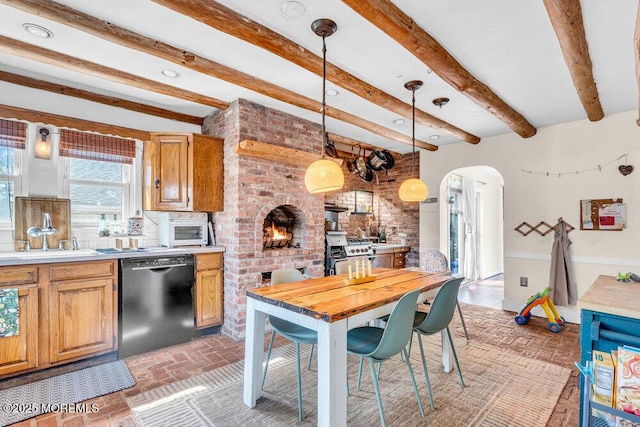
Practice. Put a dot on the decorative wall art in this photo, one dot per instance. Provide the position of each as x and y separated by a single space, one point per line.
602 214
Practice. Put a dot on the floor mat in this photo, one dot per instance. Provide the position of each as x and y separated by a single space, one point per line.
63 393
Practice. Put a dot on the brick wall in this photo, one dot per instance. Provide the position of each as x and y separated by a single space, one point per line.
255 186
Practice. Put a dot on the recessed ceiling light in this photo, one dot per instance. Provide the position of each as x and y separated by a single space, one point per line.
38 31
172 74
293 9
434 137
398 121
332 92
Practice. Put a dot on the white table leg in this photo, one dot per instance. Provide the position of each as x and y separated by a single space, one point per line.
253 354
332 374
447 359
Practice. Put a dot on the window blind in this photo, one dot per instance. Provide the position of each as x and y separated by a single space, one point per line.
13 134
91 146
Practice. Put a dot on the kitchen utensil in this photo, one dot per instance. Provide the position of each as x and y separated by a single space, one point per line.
376 160
367 176
351 166
330 149
390 161
361 164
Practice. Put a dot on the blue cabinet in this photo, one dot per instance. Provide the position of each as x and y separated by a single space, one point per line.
603 332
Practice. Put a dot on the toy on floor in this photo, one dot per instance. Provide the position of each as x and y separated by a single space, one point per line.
543 299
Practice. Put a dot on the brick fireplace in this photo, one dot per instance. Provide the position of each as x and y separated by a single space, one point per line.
255 188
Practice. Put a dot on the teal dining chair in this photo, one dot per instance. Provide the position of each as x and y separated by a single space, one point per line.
379 344
291 331
438 319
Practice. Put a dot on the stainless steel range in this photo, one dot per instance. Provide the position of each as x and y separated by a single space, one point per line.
339 248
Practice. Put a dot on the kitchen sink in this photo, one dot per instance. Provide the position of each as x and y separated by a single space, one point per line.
51 253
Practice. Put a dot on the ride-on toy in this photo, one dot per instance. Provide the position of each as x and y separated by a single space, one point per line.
543 299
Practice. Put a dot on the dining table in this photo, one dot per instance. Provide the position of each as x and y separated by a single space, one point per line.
330 306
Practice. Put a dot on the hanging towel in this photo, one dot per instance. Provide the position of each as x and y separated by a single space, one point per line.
9 312
562 282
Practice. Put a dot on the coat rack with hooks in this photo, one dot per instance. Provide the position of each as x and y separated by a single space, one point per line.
542 228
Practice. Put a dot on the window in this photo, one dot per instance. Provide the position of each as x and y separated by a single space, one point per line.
12 144
96 188
98 175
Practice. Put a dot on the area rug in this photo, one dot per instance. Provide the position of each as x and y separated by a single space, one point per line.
63 392
502 389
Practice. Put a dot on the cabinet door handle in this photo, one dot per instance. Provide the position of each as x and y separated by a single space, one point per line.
157 183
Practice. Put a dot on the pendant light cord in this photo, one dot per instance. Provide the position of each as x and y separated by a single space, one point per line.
324 82
413 131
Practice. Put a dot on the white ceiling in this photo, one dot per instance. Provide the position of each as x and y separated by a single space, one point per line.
508 45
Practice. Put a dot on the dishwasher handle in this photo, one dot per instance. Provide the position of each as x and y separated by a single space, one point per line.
158 267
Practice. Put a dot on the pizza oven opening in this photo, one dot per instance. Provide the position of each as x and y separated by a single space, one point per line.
282 228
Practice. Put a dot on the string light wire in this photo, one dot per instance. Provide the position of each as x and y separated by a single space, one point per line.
596 168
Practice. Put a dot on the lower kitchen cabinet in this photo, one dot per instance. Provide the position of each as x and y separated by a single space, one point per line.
390 257
68 312
20 352
208 297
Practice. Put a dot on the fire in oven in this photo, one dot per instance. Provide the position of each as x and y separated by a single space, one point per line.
339 248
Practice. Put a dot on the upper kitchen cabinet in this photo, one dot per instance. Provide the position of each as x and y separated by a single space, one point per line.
183 172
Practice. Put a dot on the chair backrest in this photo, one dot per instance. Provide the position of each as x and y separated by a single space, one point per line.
286 275
442 307
399 327
342 267
435 262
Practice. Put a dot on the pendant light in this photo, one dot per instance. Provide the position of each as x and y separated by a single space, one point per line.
413 189
323 175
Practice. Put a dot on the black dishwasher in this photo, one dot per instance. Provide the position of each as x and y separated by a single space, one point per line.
155 303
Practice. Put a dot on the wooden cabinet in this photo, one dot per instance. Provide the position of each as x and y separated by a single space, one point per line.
399 257
20 352
68 311
208 299
82 319
390 257
183 172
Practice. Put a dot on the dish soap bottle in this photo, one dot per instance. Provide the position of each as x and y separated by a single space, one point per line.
115 225
102 226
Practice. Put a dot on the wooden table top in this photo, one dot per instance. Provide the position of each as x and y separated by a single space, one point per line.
607 295
330 299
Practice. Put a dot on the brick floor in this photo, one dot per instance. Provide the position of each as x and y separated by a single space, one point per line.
498 328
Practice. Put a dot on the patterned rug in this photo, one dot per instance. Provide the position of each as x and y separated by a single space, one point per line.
63 393
502 389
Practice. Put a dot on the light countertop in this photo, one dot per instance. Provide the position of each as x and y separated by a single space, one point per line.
607 295
37 256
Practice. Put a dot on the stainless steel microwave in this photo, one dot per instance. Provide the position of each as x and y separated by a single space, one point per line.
182 229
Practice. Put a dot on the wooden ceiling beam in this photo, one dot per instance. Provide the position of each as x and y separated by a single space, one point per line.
35 53
636 45
59 13
57 120
404 30
230 22
102 99
566 19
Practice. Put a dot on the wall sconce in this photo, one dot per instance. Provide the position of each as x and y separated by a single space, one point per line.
43 145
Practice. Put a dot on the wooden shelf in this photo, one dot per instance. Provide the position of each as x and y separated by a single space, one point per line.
276 153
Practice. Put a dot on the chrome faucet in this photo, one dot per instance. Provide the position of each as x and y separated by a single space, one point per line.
45 231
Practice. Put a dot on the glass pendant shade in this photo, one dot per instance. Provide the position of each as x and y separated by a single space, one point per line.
413 190
323 175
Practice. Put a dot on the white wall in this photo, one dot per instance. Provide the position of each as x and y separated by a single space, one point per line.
569 147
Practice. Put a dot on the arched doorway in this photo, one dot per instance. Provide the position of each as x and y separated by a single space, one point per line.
471 218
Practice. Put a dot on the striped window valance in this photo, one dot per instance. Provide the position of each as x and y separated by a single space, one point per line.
13 134
91 146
